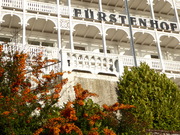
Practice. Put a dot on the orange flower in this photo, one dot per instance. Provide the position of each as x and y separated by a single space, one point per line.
82 94
91 122
93 133
1 96
26 91
1 48
27 121
117 106
69 72
38 108
60 73
106 107
37 132
1 71
67 128
80 102
53 60
56 131
55 96
6 113
95 117
108 132
69 112
85 115
21 114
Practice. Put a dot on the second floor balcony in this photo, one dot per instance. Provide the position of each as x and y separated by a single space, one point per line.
94 63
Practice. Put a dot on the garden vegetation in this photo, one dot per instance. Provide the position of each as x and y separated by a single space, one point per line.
156 97
28 101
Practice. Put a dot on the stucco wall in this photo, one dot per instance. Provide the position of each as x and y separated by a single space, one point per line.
103 85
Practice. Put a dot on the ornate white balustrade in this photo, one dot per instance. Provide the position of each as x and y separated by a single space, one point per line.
93 62
87 61
43 7
129 61
12 3
33 51
98 63
36 6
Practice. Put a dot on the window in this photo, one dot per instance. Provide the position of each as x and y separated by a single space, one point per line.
154 56
47 44
33 42
79 48
101 50
5 39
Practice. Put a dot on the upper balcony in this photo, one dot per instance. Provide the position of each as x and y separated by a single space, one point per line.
162 9
112 16
95 63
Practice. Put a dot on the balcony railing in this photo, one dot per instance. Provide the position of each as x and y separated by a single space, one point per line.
36 6
98 63
32 51
46 7
94 63
41 7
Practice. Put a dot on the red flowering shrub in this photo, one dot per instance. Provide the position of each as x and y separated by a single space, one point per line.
28 98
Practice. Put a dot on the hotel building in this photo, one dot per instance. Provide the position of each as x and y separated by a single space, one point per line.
93 38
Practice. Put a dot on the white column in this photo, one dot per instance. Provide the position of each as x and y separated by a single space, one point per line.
103 32
176 14
0 7
59 38
131 38
157 37
151 9
24 23
71 26
0 12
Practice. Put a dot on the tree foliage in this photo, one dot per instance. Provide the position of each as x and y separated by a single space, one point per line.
28 101
157 100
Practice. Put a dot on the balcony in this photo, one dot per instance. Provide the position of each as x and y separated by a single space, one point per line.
49 8
114 64
35 6
95 63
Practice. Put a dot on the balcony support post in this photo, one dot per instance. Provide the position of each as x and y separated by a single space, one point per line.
24 23
71 26
157 37
59 38
131 34
0 9
120 66
103 32
176 14
159 51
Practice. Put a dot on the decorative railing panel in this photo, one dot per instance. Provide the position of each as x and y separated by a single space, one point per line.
129 61
41 7
172 66
32 51
12 3
94 63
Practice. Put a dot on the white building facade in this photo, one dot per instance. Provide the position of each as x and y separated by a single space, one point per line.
94 35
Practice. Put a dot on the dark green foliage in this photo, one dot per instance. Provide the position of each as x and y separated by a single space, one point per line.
157 100
90 109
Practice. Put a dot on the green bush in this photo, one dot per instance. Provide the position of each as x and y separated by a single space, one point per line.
157 100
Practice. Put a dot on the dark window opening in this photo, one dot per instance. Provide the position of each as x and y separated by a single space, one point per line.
33 42
154 56
47 44
101 50
79 48
5 39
